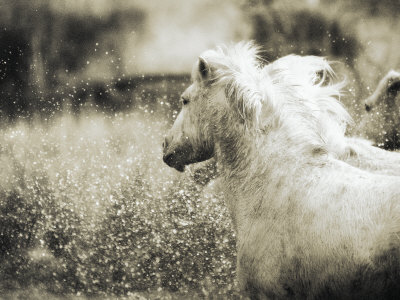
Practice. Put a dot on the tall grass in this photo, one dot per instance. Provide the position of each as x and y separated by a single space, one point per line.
87 207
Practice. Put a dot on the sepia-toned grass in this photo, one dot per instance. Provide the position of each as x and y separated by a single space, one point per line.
88 208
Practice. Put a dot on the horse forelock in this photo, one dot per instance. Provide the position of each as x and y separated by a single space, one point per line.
237 70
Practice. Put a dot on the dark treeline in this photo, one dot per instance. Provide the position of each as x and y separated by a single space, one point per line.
302 31
44 52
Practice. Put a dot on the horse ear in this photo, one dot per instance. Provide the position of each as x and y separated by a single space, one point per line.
204 69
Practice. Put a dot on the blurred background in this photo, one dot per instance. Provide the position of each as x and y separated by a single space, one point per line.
87 90
59 53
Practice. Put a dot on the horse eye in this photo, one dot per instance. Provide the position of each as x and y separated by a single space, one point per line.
185 101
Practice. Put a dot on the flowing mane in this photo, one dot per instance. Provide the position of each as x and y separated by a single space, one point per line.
292 88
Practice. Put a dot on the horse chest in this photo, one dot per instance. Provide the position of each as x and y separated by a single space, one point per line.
264 247
279 257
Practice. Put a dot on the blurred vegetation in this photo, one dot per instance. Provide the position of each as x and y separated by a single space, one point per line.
302 31
45 54
90 208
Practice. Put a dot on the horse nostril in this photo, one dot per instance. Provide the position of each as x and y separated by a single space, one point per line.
165 143
367 107
167 158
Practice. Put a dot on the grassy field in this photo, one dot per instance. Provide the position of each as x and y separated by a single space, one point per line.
88 208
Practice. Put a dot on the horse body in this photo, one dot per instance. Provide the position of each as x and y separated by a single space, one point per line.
362 154
301 233
308 225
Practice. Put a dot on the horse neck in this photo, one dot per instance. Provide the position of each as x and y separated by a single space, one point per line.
248 155
243 153
255 167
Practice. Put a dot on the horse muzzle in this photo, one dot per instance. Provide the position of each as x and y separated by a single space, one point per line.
178 155
173 156
170 159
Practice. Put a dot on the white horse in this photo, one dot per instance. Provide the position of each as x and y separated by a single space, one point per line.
309 226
